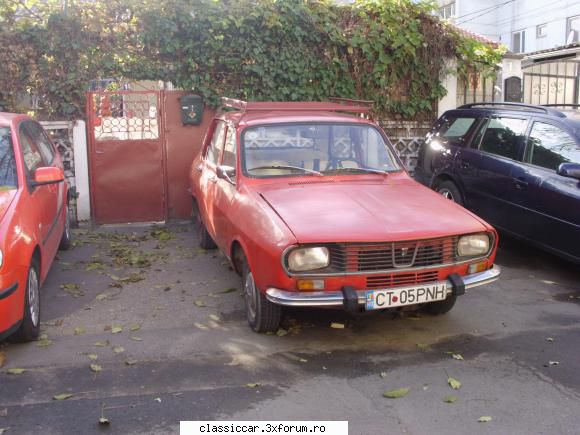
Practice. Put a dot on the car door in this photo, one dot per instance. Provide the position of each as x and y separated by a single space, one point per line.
225 191
208 178
494 149
548 204
44 200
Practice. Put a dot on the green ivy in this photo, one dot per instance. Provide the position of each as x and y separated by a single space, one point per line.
391 51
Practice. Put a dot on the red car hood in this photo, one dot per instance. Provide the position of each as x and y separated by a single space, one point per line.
358 211
6 197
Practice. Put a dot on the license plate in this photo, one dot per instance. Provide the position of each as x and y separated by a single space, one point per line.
379 299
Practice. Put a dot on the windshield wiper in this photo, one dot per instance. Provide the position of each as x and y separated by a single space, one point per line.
310 171
370 170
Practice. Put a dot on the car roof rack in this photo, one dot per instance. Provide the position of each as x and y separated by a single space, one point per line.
336 105
510 105
575 106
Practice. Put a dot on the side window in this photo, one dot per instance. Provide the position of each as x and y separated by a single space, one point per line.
217 143
32 156
502 136
229 158
8 178
453 129
549 146
40 138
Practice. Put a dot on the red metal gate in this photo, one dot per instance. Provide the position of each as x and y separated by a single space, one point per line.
126 154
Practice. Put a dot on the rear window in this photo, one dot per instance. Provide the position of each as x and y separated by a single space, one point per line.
454 129
8 179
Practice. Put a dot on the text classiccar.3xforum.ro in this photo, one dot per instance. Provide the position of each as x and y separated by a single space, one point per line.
256 428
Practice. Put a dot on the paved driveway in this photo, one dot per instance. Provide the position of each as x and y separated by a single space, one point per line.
162 324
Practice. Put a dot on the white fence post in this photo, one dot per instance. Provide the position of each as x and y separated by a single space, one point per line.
449 82
81 171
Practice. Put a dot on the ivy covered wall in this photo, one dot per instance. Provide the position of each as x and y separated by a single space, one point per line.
390 51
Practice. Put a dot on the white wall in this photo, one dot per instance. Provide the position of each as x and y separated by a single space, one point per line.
500 21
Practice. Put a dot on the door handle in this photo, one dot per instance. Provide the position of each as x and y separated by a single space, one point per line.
465 165
520 183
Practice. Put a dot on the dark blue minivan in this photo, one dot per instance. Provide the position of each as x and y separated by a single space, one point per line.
515 165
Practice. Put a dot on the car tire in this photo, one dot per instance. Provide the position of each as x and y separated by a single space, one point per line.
440 307
263 315
205 240
30 326
66 240
450 191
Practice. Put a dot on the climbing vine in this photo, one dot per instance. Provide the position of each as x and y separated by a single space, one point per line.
389 51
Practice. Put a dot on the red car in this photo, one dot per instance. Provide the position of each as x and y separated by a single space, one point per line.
313 208
34 221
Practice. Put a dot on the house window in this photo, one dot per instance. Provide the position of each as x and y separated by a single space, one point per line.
448 11
573 29
519 41
541 30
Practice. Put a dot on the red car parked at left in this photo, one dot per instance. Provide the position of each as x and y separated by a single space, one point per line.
34 221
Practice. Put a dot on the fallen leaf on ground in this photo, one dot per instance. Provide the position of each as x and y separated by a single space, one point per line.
136 339
484 419
454 383
553 363
396 394
450 399
118 349
96 368
281 332
79 331
101 343
135 328
215 317
45 342
158 399
101 297
547 339
116 329
16 371
383 375
337 325
252 385
201 326
62 396
302 360
94 266
104 421
93 356
2 359
228 290
130 362
457 356
200 303
422 346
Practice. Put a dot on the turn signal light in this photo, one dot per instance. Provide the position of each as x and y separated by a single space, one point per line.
477 267
310 284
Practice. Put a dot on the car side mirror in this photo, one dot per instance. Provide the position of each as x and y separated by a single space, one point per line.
571 170
227 173
47 175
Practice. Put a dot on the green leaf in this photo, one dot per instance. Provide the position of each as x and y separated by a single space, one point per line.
454 383
396 394
450 399
15 371
484 419
62 396
252 385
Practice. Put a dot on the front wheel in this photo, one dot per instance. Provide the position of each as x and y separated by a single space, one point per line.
66 240
30 326
450 191
263 315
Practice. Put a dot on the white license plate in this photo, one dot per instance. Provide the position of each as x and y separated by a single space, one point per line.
398 297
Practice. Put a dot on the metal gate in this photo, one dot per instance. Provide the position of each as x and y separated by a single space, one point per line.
555 82
126 154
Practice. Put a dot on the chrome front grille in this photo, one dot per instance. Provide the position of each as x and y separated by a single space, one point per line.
400 279
376 257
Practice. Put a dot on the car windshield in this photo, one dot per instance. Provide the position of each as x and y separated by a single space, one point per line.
8 178
315 149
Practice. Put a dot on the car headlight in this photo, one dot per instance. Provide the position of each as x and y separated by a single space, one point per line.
303 259
477 244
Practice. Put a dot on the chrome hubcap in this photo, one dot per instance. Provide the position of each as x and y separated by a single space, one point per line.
33 296
250 296
447 194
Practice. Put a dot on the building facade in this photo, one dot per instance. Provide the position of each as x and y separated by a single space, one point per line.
524 26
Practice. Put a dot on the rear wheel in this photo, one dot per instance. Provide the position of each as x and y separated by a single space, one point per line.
440 307
263 315
450 191
30 326
205 240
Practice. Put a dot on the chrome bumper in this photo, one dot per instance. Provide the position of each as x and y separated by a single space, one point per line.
336 298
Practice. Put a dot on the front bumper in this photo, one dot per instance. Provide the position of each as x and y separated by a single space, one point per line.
337 298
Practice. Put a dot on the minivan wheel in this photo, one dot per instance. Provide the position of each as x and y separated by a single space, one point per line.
263 315
450 191
30 326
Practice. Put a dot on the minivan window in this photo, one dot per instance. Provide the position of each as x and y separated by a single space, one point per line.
502 136
454 129
549 146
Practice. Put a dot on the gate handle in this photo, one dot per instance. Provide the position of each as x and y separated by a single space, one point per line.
99 152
